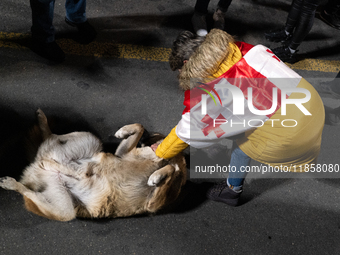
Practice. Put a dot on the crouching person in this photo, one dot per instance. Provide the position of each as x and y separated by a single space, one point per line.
234 88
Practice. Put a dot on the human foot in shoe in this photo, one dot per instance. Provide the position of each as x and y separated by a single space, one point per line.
218 18
221 192
50 51
277 35
199 23
285 54
86 32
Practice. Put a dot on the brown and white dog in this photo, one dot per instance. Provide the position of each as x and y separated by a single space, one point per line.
71 176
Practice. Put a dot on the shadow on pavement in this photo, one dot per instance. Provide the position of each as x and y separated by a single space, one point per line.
329 51
148 30
13 129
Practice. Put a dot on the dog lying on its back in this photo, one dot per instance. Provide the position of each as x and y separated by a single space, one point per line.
71 176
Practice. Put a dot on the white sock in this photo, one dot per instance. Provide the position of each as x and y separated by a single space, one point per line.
202 32
291 50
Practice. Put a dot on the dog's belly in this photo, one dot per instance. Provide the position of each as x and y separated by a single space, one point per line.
70 148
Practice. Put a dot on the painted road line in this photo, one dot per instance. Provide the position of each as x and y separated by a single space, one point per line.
129 51
317 65
115 50
6 40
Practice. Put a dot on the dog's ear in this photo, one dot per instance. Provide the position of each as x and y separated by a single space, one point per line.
144 140
151 138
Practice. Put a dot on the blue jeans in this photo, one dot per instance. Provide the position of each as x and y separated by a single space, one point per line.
238 159
42 17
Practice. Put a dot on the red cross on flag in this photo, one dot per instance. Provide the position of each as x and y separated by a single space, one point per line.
212 126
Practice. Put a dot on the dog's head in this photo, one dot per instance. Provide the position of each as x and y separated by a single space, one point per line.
148 139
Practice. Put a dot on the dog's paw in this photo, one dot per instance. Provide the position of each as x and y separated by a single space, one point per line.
122 133
128 130
8 183
155 179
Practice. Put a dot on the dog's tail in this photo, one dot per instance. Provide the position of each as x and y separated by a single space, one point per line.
33 140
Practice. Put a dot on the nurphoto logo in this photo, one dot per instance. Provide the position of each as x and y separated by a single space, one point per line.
238 102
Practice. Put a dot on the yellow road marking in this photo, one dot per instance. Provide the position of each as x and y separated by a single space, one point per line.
129 51
115 50
317 65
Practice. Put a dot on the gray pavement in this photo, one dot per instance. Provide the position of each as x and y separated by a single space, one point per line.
101 94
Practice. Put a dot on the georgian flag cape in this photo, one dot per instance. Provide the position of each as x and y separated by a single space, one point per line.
224 110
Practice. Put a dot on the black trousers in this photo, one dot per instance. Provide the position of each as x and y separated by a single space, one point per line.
202 5
300 20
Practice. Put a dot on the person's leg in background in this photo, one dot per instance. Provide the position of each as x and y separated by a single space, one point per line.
218 17
304 24
76 17
294 16
331 13
285 33
199 21
43 40
287 53
76 11
42 19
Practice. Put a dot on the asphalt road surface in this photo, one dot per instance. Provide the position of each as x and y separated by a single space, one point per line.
124 77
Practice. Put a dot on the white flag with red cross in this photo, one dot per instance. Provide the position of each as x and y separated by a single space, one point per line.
243 98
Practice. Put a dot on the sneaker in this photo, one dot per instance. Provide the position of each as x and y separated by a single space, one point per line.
86 32
285 55
221 192
50 51
199 23
277 35
331 19
218 18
